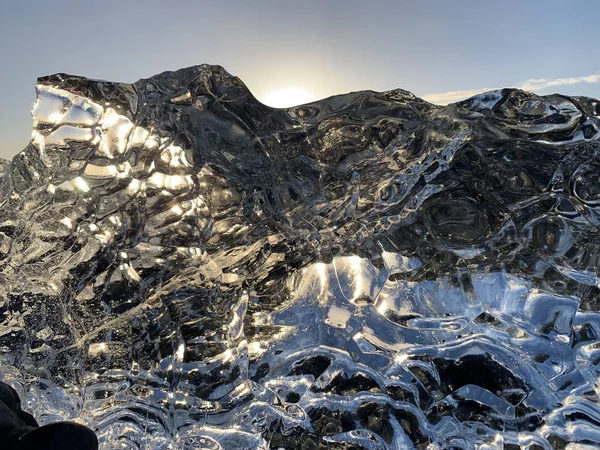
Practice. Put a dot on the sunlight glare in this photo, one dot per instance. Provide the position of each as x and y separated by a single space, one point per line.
289 96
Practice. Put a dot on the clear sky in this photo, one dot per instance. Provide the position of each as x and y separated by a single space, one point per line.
433 48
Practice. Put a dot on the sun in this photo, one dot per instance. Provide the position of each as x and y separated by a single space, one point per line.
288 96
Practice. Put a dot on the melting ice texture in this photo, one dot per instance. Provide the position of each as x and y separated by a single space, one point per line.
183 267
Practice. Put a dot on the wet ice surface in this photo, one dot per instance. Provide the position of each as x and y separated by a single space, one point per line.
184 267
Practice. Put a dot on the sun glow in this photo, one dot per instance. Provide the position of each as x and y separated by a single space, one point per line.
289 96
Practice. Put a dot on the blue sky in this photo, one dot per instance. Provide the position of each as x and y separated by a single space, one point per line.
326 47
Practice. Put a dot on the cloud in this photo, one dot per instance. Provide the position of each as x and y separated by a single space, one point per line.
537 84
542 83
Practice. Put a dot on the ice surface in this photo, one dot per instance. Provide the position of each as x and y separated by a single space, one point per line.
182 267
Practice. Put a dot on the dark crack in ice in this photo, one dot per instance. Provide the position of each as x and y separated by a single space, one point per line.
183 267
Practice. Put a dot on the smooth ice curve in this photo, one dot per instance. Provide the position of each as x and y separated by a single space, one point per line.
183 267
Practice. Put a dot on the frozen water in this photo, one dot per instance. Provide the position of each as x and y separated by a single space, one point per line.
183 267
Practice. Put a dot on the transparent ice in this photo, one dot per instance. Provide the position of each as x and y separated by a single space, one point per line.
183 267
